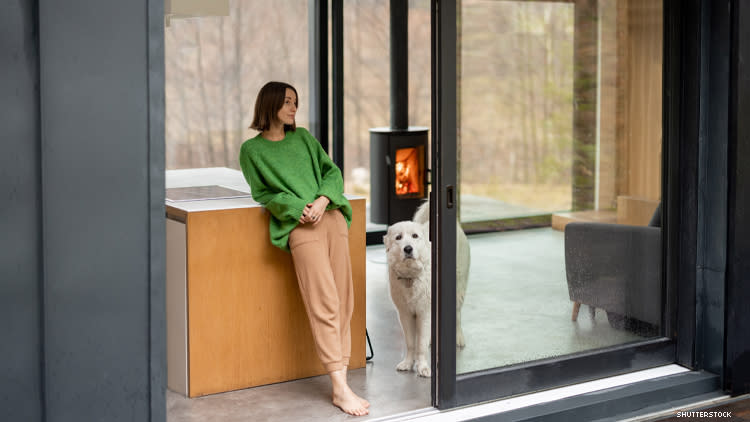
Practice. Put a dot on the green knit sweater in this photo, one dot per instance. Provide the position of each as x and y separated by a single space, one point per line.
284 176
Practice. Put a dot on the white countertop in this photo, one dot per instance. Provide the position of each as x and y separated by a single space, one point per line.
221 176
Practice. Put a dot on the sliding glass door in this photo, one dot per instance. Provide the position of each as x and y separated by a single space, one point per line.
547 163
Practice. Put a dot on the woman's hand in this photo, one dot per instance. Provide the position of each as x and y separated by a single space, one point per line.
315 211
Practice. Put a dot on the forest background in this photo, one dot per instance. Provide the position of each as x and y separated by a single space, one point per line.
515 85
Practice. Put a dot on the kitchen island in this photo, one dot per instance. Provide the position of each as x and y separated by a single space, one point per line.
235 318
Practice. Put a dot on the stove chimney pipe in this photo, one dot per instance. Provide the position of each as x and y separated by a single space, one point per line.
399 64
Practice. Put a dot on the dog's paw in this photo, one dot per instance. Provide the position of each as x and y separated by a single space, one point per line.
405 365
460 342
423 369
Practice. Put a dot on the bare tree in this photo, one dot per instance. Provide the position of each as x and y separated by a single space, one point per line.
223 117
203 98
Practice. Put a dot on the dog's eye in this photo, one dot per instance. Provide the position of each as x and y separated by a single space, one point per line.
398 237
415 235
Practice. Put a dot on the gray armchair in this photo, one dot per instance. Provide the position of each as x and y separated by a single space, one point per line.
616 268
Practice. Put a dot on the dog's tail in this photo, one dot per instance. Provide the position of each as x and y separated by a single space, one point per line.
422 215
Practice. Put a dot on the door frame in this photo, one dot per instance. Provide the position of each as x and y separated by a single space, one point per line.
680 160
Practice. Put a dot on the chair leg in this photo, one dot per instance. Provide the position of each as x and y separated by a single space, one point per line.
576 308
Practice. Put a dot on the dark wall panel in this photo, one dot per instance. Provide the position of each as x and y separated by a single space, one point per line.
712 184
95 152
684 213
20 373
157 225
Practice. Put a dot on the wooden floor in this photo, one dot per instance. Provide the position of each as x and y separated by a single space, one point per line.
738 410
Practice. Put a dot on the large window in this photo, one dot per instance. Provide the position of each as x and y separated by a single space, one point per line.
366 86
217 57
367 80
559 123
516 108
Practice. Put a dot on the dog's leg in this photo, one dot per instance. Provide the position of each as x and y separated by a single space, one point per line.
460 342
408 325
423 344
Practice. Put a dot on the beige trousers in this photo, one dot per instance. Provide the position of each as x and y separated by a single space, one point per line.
324 273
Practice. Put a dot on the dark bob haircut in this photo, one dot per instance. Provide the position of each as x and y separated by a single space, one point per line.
267 105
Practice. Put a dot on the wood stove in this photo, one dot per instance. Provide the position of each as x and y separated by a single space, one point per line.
398 173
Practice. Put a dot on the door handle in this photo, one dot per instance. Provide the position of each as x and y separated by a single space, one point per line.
449 196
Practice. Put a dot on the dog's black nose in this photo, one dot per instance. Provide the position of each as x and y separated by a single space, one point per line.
408 249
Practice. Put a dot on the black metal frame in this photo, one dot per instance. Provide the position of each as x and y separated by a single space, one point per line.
679 162
399 64
697 95
713 140
318 46
443 233
337 80
557 372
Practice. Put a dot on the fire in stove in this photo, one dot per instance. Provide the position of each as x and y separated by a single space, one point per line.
409 172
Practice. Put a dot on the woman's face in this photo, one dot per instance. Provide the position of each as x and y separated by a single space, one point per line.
289 109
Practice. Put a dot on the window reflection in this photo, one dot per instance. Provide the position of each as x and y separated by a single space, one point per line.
560 152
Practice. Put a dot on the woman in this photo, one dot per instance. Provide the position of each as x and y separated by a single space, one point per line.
293 177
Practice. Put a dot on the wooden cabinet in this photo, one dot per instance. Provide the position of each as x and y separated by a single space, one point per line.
235 316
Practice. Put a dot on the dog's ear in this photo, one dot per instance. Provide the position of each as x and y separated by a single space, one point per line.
387 239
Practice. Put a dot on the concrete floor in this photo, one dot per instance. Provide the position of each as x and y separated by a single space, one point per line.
516 310
517 307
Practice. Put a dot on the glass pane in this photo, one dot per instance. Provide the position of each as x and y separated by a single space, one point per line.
367 83
410 172
559 119
366 87
216 61
420 81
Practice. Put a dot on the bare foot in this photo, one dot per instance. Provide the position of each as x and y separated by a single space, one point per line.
364 402
350 403
344 397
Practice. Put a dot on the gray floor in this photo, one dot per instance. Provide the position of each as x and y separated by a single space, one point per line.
516 310
517 307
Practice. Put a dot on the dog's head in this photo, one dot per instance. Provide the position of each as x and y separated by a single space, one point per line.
407 241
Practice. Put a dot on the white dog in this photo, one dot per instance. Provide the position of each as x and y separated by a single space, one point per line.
408 251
